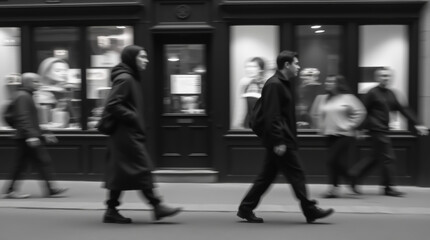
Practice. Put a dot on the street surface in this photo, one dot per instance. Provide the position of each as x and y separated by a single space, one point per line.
47 224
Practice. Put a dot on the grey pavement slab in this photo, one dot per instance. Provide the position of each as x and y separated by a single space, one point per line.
223 197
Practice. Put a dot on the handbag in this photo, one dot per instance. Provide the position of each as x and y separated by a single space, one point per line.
107 123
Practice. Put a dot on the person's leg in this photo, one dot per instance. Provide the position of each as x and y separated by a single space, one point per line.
261 183
292 170
42 163
363 167
112 215
160 210
333 165
387 158
21 162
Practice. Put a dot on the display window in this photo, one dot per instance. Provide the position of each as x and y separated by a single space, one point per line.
10 46
253 51
385 46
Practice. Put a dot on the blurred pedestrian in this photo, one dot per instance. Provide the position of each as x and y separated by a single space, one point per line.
30 139
379 102
279 135
129 165
337 114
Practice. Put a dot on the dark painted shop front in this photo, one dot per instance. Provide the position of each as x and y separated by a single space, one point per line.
196 83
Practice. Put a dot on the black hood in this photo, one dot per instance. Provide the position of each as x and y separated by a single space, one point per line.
128 61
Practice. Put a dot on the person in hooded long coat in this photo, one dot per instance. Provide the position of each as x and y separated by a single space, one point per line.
30 139
129 166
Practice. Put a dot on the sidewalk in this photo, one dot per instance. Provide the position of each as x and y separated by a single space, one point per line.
223 197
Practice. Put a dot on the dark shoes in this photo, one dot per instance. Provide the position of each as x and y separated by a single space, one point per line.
249 216
162 211
56 191
393 193
313 213
113 216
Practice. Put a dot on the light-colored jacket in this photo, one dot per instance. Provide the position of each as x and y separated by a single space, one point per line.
340 114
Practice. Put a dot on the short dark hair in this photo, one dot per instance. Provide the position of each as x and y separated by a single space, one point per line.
285 56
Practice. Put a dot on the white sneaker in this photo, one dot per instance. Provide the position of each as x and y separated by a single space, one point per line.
15 195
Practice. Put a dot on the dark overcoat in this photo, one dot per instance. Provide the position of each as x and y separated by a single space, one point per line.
128 164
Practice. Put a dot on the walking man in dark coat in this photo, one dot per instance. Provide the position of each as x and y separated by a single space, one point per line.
379 102
128 164
280 139
30 144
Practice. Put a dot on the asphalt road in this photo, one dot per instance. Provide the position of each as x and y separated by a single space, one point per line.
45 224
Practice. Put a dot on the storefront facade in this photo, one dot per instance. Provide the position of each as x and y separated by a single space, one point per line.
208 60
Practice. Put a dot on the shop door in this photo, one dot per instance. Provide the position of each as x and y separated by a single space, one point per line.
184 126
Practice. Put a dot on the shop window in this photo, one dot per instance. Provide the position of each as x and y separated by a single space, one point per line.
184 84
319 52
106 44
253 52
10 67
59 52
58 57
385 46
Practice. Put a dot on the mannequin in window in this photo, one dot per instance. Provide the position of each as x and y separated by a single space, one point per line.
252 84
55 87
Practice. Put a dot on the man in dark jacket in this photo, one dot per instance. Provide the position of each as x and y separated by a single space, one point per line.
29 140
280 139
379 102
129 166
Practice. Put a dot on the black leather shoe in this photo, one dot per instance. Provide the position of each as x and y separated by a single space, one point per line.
393 193
113 216
249 216
161 211
313 213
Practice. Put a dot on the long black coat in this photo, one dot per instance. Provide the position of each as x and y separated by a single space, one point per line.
128 163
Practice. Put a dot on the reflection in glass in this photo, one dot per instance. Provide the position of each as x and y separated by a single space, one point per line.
385 46
10 68
59 100
184 84
106 44
319 53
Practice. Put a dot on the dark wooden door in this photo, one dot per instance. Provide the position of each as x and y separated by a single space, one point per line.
184 127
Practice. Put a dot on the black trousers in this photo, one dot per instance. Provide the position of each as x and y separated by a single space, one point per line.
38 157
290 167
114 196
338 156
382 153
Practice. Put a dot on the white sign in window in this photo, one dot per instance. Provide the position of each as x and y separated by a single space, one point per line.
185 84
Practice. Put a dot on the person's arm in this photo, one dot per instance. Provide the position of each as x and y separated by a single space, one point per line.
358 111
117 99
421 129
275 124
23 117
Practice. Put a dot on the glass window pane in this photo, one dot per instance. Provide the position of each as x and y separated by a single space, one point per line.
253 52
319 56
10 67
106 44
59 97
184 82
385 46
